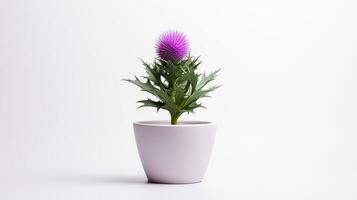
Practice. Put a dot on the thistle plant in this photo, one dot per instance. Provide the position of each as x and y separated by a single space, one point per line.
173 78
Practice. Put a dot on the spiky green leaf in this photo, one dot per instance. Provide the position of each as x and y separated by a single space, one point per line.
176 85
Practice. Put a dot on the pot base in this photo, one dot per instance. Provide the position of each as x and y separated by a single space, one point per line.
174 182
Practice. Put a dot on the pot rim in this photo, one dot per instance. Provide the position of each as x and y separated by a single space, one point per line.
181 123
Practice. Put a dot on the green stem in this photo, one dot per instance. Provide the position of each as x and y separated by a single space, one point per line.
174 119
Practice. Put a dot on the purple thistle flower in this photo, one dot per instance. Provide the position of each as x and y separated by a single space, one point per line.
172 46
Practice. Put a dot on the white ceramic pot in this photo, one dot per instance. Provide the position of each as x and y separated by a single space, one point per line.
174 153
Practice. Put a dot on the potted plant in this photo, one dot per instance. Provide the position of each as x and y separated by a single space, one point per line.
174 151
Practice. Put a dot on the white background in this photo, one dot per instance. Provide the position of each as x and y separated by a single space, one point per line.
286 111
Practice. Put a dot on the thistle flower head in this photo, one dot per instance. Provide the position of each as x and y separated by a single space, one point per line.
172 46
